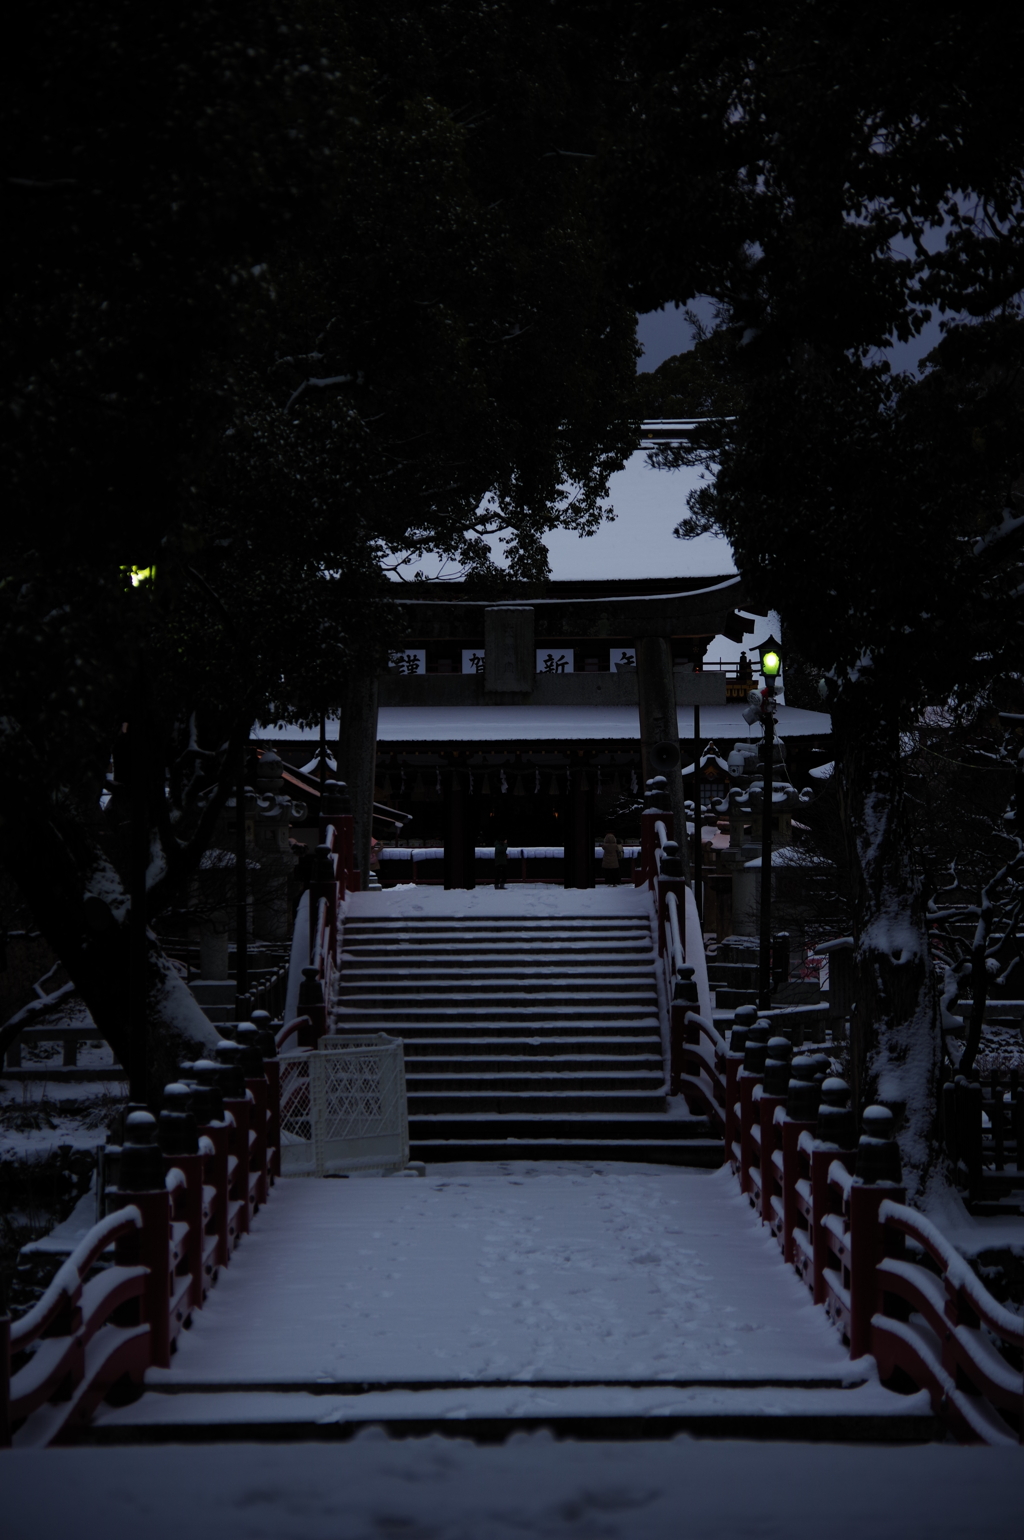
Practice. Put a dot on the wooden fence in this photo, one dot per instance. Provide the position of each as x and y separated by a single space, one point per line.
983 1127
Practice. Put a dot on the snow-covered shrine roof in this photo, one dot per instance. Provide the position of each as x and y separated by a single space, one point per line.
531 724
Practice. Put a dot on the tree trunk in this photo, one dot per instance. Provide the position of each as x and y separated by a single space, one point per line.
81 907
895 1042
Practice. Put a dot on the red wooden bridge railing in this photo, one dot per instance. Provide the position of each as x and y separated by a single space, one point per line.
890 1281
187 1185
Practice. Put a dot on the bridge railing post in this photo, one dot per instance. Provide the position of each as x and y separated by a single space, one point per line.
792 1174
877 1176
769 1146
749 1084
154 1252
868 1242
236 1110
259 1089
313 1017
189 1203
218 1223
141 1183
733 1065
272 1071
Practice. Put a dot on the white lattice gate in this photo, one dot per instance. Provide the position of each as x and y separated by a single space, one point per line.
343 1106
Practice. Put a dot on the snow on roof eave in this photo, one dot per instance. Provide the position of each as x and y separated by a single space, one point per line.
534 724
529 604
595 724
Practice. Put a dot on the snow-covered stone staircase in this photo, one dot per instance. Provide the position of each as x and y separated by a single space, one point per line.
525 1037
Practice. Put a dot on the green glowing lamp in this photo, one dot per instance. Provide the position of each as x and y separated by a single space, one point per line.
771 661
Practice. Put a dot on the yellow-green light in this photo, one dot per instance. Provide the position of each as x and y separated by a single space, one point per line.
770 664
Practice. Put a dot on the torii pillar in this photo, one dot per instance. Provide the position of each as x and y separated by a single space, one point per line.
357 762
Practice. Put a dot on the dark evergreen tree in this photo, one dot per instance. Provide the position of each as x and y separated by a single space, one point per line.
867 166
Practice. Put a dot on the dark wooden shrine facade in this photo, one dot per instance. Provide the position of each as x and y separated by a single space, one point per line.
572 649
538 795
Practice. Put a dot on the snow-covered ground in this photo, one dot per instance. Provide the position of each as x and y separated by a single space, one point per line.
38 1116
510 1272
446 1489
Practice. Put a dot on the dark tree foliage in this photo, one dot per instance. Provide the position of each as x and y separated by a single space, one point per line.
288 287
869 169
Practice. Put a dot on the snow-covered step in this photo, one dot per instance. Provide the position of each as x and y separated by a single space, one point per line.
601 1004
701 1151
441 935
522 1036
501 950
503 1008
492 1062
546 1099
548 1125
451 1030
466 986
384 924
497 968
500 1081
646 1414
604 1044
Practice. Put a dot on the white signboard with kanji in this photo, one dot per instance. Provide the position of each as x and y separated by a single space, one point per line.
412 661
554 660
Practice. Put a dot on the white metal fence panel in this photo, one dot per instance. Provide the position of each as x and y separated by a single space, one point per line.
344 1107
298 1147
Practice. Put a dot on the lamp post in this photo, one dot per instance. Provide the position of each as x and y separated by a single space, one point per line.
698 849
770 665
243 1005
138 870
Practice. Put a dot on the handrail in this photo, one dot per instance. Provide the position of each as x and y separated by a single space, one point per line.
696 958
291 1029
954 1267
839 1177
676 940
708 1030
169 1241
322 932
66 1286
845 1236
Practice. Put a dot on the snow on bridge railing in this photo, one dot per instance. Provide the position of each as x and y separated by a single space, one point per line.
891 1282
187 1185
940 1325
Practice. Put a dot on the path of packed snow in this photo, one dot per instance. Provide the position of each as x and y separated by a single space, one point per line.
512 1271
447 1489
